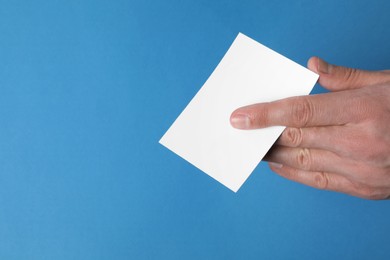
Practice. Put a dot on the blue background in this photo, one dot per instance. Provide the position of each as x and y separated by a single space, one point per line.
87 88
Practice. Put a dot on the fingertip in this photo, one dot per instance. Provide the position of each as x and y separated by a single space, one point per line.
312 64
240 120
251 117
274 165
319 66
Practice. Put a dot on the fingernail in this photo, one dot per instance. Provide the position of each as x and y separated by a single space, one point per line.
323 66
240 121
275 165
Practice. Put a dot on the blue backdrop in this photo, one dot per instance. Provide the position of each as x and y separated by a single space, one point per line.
87 88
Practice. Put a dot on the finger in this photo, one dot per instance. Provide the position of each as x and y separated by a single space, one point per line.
312 160
304 111
318 180
338 78
329 181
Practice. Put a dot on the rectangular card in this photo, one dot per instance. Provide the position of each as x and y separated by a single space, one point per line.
248 73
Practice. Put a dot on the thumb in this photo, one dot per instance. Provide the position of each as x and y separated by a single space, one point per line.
337 78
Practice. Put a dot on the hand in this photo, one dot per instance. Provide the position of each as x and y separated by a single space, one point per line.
337 141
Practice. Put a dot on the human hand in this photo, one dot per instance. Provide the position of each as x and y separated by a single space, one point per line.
337 141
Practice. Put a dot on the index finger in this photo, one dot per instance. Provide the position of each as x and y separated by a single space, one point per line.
317 110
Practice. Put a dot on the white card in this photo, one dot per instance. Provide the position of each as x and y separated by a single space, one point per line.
248 73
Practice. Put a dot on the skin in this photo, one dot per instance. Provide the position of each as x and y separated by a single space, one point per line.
338 141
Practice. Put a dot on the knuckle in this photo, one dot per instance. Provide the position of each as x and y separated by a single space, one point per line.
371 192
293 136
302 110
351 75
321 180
375 149
371 151
372 155
365 192
367 144
382 196
260 117
304 159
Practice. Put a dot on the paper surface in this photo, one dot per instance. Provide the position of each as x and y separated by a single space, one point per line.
248 73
